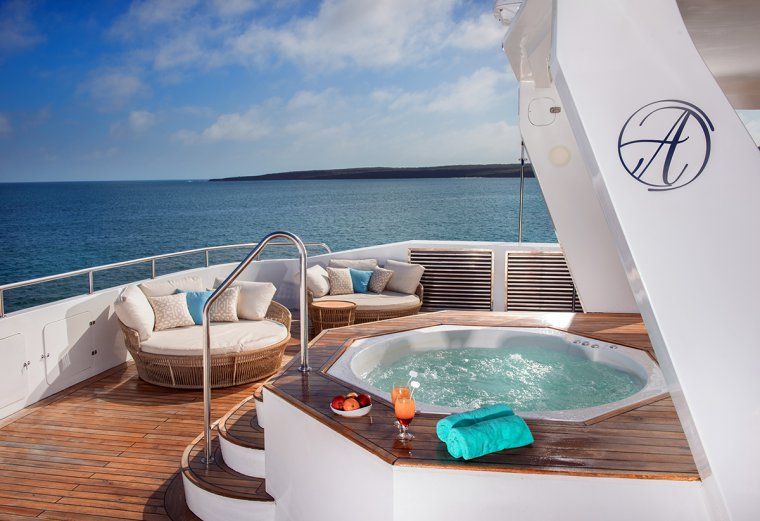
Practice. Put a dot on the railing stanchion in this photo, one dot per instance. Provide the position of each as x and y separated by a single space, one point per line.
2 305
207 260
153 269
522 191
304 367
91 282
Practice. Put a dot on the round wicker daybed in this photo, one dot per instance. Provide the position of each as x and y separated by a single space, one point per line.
241 352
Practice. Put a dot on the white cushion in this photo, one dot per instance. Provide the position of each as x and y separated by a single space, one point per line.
254 298
406 277
226 337
135 312
161 288
171 311
357 264
374 301
226 306
317 281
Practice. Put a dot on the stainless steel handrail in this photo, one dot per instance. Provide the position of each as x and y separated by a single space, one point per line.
90 272
304 324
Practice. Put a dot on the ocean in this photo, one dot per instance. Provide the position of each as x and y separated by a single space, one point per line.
49 228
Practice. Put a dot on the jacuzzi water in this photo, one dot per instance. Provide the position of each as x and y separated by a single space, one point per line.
528 378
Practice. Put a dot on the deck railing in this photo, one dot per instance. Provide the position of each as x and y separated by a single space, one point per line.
90 272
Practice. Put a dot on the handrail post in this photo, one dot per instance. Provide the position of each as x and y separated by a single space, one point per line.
522 190
153 268
91 282
2 304
304 323
207 263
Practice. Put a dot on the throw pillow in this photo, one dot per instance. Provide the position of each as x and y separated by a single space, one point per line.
406 276
134 311
359 280
340 281
161 288
317 281
254 298
357 264
225 307
171 311
379 280
195 302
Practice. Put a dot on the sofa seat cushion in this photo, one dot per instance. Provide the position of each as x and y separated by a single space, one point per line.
384 301
226 338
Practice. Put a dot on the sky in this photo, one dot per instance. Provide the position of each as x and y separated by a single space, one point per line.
192 89
183 89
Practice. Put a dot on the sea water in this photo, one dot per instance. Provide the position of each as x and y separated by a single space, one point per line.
49 228
528 378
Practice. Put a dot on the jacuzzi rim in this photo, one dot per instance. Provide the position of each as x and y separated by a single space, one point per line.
654 388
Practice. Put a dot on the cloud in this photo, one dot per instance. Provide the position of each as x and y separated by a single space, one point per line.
6 129
17 30
112 89
141 120
473 93
484 32
751 119
244 127
145 15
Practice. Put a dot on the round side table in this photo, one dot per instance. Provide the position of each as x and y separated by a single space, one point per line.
331 313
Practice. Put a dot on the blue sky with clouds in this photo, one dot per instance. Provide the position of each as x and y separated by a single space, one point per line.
173 89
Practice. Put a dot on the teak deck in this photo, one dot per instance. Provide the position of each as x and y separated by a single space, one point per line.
646 441
107 448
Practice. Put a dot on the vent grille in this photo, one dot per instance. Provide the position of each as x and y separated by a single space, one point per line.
455 279
540 281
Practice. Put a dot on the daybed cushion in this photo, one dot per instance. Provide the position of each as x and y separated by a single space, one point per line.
254 299
317 281
406 276
226 338
135 312
384 301
171 311
357 264
161 288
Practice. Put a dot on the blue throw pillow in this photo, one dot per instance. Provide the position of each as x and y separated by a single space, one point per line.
195 303
360 280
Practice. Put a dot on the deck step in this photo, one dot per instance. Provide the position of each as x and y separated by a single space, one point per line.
218 492
242 439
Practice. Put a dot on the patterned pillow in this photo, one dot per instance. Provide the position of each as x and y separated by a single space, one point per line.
379 279
340 281
171 311
225 307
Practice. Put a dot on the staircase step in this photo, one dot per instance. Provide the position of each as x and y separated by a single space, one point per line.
217 492
242 440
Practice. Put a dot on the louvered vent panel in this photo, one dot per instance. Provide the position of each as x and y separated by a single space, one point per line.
455 279
540 281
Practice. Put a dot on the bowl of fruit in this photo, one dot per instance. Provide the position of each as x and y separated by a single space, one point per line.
351 405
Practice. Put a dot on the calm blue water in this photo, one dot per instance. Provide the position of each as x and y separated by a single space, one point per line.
50 228
527 378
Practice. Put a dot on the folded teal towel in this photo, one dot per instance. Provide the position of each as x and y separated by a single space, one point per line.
487 436
464 419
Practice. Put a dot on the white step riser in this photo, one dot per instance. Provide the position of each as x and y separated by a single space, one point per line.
243 459
211 507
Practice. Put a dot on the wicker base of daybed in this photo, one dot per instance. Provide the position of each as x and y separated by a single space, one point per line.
186 372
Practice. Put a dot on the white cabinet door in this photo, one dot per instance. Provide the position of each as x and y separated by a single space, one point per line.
13 384
68 348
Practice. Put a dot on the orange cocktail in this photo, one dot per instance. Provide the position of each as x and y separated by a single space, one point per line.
404 408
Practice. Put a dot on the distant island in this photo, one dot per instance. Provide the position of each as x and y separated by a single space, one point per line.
425 172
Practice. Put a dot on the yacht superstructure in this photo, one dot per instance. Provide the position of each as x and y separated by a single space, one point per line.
627 109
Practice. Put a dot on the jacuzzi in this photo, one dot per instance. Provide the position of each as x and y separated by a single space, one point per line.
522 352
